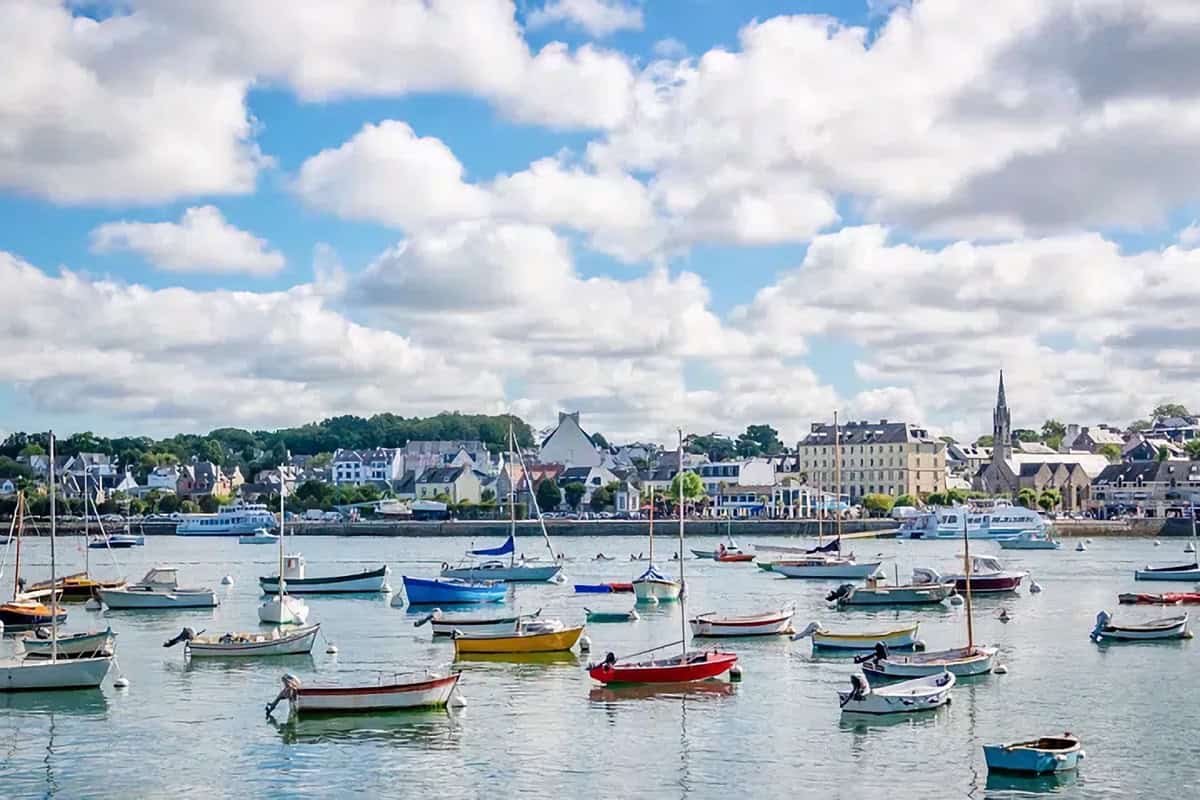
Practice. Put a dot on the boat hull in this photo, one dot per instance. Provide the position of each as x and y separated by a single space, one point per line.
515 574
656 591
694 667
22 617
432 693
370 581
253 538
603 588
1041 757
907 697
78 587
961 662
549 642
44 675
291 643
425 592
1167 599
611 616
896 639
1154 630
447 626
983 584
775 623
815 570
896 595
130 598
1161 574
78 645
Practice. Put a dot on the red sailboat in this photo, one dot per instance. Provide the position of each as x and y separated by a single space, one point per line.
689 665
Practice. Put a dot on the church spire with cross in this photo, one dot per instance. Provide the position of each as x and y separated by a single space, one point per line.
1001 427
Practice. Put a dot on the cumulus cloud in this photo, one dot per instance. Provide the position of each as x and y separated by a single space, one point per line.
202 241
597 17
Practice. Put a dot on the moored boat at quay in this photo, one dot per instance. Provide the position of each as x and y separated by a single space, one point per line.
231 520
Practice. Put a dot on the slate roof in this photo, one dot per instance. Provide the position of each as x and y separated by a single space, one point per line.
865 432
440 475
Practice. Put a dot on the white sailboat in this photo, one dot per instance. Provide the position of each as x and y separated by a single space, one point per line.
515 571
282 608
653 586
37 674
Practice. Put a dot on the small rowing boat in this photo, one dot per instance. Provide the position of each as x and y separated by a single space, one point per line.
71 645
962 661
279 642
366 581
536 636
1036 757
1177 572
907 697
448 592
825 566
612 616
1175 627
603 588
260 536
433 691
902 638
683 668
768 623
1165 599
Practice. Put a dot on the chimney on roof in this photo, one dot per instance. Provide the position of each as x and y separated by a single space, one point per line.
883 422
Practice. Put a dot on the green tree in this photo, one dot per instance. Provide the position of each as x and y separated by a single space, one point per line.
1049 499
189 507
599 441
878 505
1026 435
1027 497
906 500
1110 451
936 499
601 499
574 493
758 440
693 487
13 469
1053 432
956 496
549 496
209 503
487 496
1193 449
32 449
714 446
1140 425
1163 454
985 441
169 503
1164 410
212 451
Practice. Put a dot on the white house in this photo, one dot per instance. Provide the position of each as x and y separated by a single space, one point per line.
592 478
164 478
382 464
421 455
567 444
747 472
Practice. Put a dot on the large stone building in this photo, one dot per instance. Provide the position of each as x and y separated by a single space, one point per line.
1147 488
876 457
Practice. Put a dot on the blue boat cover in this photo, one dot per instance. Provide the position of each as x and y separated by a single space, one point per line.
652 573
502 550
592 588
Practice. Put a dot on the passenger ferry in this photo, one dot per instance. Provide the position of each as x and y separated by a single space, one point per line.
990 520
231 520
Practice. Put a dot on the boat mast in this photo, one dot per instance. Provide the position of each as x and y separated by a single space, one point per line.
967 572
282 582
652 524
53 575
682 587
18 524
837 478
87 557
512 500
820 511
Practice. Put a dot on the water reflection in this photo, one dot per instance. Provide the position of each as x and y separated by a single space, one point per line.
428 728
1003 785
567 658
676 691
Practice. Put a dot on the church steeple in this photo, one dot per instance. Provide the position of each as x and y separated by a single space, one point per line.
1001 426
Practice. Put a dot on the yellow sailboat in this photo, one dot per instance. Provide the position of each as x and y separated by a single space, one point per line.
534 636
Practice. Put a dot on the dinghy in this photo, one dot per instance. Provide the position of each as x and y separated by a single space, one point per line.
279 642
113 542
446 624
433 691
732 556
907 697
1177 572
685 668
902 638
537 636
1175 627
367 581
962 661
881 594
603 588
768 623
825 566
1029 540
441 592
611 616
988 576
1036 757
73 645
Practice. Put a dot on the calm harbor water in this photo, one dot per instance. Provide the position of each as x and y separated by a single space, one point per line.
197 729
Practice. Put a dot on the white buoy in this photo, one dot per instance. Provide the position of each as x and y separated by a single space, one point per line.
1034 587
1157 543
956 600
1000 669
121 682
735 673
457 700
331 650
1089 541
585 644
93 605
1004 616
1191 548
1080 548
227 580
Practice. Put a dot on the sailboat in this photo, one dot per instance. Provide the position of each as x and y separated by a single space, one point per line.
653 586
80 585
961 661
25 611
281 608
33 674
1176 572
483 564
820 563
689 665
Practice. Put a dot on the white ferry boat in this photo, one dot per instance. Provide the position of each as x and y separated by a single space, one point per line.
231 520
999 520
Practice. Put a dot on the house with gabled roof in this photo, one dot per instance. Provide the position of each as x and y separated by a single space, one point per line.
569 445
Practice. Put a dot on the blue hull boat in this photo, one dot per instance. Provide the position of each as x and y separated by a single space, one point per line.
1037 757
426 592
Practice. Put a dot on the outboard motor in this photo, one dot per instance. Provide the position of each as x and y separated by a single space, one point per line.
1102 620
839 592
860 687
185 635
878 654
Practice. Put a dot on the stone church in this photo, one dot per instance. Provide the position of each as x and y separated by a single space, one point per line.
1011 470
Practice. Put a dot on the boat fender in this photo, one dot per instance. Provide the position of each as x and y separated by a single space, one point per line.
956 600
445 566
121 683
1001 669
227 580
585 644
1034 587
735 673
813 627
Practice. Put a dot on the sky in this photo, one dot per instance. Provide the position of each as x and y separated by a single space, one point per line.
660 213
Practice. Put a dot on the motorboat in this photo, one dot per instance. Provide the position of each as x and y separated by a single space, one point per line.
432 691
900 638
962 661
767 623
1030 540
260 536
446 624
1040 756
988 576
1173 627
883 594
366 581
535 636
825 566
158 588
111 542
72 645
906 697
988 520
231 520
694 665
279 642
1178 572
1165 599
612 616
653 586
26 615
449 592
